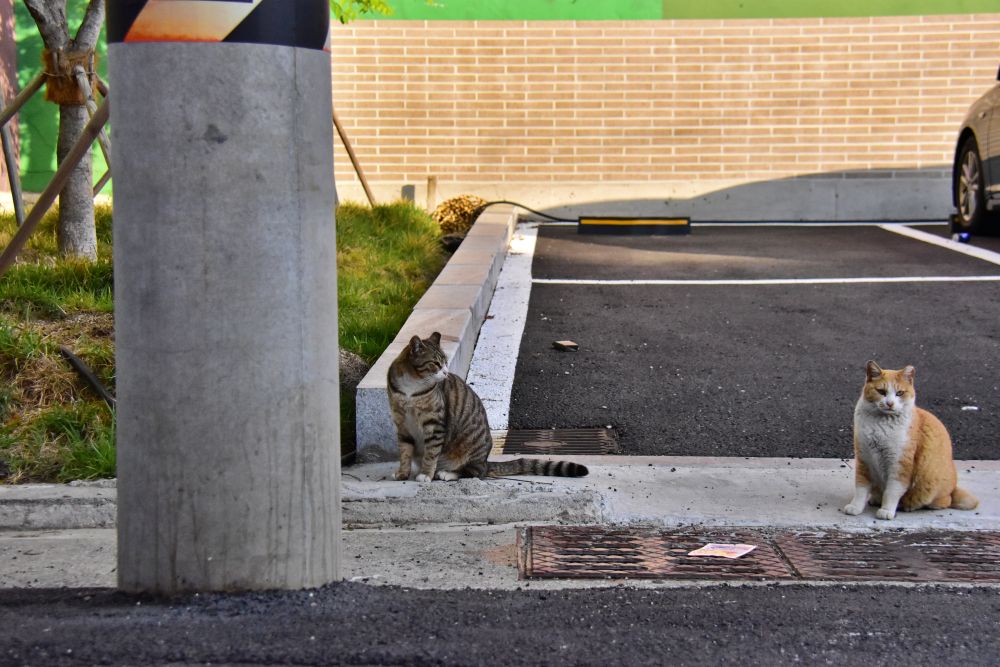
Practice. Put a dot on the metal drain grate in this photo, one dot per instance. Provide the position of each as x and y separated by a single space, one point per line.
598 552
561 441
595 552
924 556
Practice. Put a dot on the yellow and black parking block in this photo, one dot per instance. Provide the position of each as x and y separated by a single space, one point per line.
657 226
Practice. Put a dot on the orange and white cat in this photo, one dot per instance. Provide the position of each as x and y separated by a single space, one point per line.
902 453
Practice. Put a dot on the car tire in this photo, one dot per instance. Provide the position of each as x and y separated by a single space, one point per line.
970 189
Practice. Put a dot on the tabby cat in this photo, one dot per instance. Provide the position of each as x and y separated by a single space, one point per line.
440 419
902 452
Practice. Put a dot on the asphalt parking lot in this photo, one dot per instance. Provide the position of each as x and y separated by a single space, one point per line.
747 340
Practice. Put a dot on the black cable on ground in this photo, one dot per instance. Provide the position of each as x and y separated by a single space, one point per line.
88 376
526 208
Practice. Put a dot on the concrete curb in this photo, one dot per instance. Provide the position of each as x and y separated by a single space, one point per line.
455 305
58 506
634 490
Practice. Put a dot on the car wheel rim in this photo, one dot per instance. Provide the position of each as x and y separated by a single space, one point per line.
968 186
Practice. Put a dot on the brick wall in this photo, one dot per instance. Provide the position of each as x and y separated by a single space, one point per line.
572 111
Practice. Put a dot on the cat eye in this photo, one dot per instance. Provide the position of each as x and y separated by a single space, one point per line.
881 391
900 393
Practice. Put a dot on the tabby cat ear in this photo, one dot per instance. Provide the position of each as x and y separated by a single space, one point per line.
416 344
436 338
873 371
909 373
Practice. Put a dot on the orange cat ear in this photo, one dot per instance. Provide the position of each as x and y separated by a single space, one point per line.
909 373
873 371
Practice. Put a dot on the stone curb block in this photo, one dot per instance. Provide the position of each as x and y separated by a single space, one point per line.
477 504
56 507
365 505
455 305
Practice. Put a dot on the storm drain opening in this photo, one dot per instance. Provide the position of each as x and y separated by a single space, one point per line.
905 556
540 442
599 552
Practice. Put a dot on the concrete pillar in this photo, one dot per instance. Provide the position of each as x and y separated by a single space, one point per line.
225 296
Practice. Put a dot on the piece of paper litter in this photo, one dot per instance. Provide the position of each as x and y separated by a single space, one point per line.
724 550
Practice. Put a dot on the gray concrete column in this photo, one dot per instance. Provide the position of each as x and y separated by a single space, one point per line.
226 316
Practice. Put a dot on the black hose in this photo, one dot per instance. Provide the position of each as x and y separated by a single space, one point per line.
526 208
88 376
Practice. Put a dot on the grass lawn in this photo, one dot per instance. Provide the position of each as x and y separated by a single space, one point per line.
53 427
386 260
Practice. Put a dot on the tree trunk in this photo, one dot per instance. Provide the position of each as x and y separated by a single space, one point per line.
77 234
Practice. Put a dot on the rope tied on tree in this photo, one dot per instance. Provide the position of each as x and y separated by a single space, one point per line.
60 83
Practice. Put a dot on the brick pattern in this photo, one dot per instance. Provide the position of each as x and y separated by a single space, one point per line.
626 101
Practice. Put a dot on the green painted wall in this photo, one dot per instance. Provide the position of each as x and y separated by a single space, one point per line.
39 120
594 10
525 10
758 9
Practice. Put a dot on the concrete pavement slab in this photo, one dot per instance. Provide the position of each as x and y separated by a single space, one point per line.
448 535
661 491
636 490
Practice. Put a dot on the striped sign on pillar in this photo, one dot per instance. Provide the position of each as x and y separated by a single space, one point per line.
299 23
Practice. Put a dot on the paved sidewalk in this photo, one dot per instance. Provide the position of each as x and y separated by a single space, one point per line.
462 534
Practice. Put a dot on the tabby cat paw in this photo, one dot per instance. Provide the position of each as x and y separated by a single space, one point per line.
446 475
401 476
423 478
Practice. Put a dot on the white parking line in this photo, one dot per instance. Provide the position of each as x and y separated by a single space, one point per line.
491 373
964 248
774 281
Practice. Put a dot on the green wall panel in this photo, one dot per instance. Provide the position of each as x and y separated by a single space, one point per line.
525 10
39 120
594 10
761 9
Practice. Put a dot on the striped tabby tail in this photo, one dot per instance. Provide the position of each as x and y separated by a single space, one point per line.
535 467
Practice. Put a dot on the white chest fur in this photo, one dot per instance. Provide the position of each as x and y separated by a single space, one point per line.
411 386
881 439
414 397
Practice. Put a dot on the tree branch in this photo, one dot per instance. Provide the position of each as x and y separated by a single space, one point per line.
50 17
90 27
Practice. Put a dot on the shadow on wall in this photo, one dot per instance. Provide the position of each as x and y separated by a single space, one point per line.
843 196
